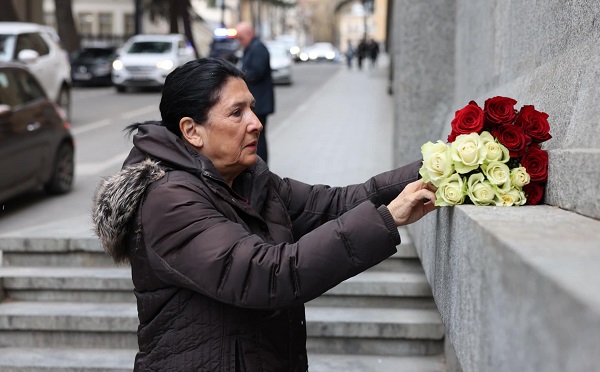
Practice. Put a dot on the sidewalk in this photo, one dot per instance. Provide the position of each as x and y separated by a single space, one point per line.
341 135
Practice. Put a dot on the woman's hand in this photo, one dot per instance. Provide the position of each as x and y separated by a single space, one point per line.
416 200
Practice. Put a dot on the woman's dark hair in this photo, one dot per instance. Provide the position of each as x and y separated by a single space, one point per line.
192 90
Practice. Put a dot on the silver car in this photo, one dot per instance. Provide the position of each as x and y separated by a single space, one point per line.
146 60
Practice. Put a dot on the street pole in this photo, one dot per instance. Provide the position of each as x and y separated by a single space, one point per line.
223 13
364 2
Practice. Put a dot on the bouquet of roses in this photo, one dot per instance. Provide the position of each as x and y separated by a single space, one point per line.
493 156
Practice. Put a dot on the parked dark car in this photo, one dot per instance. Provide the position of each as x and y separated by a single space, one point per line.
225 45
36 146
92 65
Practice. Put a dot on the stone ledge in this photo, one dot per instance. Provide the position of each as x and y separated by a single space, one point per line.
517 288
573 180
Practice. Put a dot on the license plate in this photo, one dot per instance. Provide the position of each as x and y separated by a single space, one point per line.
82 76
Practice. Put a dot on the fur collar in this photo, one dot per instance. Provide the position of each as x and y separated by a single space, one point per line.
116 201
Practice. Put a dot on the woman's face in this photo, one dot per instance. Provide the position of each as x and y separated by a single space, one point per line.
231 131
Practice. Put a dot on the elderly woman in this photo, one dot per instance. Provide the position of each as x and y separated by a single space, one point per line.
223 252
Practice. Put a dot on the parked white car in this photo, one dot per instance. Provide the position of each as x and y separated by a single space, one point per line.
281 62
146 60
37 47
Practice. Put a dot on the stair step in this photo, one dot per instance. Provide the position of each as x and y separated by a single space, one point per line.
113 325
370 288
374 323
60 251
96 360
66 360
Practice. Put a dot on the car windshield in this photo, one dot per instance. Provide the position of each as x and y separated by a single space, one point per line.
7 43
95 53
277 50
150 47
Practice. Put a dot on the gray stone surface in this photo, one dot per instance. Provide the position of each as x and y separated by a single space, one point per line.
517 287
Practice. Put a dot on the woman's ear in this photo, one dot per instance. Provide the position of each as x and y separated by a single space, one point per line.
191 132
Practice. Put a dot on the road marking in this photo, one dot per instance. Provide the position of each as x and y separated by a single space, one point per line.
139 112
89 169
91 126
106 122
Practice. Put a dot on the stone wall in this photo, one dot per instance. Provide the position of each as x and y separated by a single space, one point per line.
517 287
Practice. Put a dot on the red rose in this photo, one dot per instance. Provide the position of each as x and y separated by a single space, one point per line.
535 161
499 110
513 138
534 124
467 120
534 192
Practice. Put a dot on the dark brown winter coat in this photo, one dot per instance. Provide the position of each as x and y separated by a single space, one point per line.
221 275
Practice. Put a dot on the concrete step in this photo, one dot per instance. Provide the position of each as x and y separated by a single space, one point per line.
379 331
96 360
86 252
380 289
63 251
93 284
113 325
87 284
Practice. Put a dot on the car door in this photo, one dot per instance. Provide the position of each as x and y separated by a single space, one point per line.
22 136
44 67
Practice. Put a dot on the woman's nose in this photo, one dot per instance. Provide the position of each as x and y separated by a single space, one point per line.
255 124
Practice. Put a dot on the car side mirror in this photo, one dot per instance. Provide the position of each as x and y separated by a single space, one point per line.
5 110
28 55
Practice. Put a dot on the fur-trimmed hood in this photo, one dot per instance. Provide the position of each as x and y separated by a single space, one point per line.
116 201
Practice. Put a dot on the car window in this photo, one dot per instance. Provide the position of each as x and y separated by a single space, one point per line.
30 89
7 45
277 50
32 41
145 47
39 44
9 93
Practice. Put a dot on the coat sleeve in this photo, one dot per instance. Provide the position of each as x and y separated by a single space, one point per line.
310 206
191 244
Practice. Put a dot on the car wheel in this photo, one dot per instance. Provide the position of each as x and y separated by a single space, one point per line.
63 169
64 101
120 88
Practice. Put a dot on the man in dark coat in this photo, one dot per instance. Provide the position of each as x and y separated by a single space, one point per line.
257 68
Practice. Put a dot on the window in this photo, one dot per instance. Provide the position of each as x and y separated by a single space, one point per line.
29 87
142 47
105 23
129 24
86 21
32 41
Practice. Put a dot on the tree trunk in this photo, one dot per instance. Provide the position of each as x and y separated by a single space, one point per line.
66 25
174 13
138 17
187 27
8 13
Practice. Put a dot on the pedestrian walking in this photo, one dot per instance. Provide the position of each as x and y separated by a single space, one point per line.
224 253
361 53
373 50
257 68
349 54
